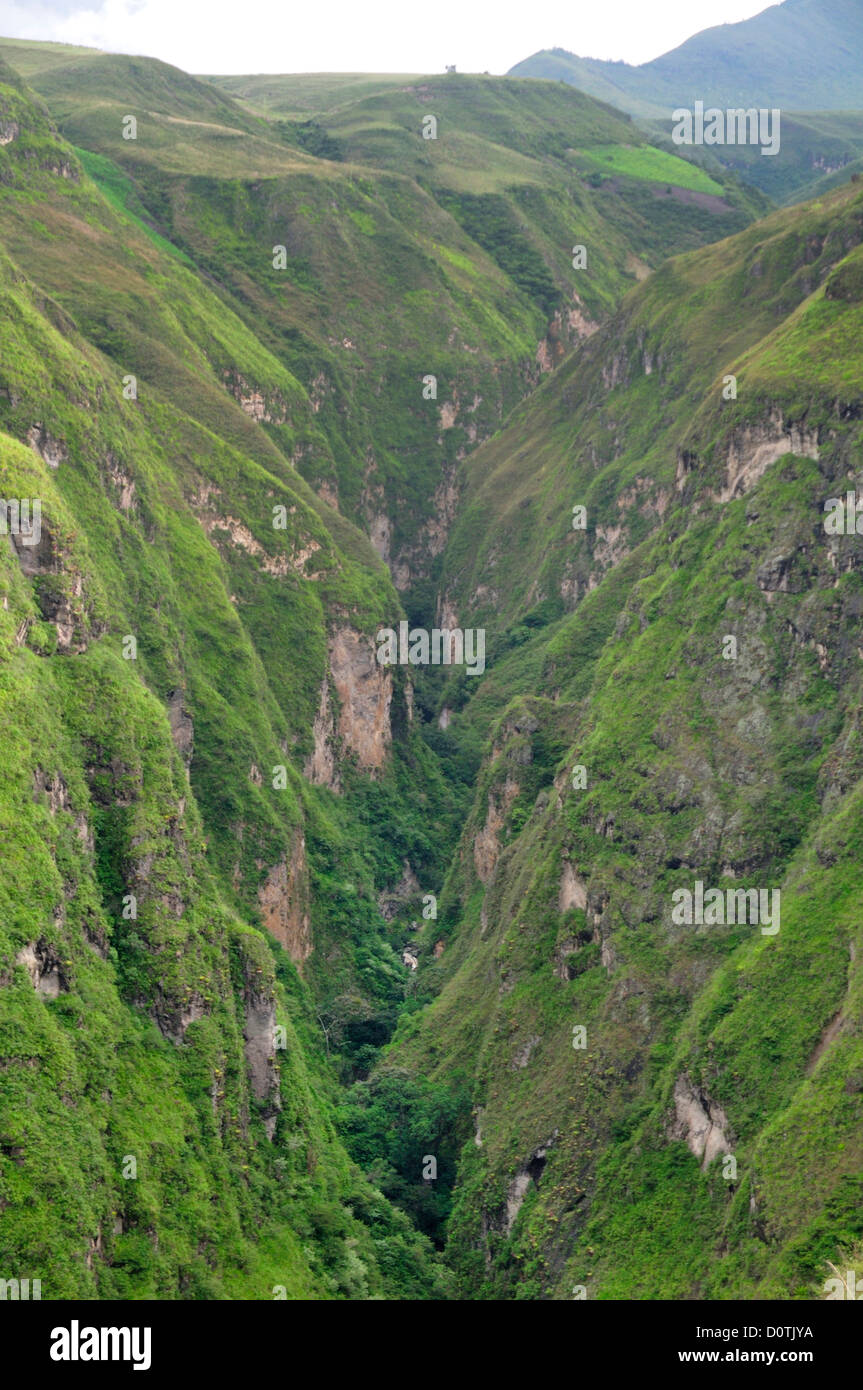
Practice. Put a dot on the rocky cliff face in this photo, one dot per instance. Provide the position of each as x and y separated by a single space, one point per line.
353 717
284 899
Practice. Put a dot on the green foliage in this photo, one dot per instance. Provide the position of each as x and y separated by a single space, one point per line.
392 1126
657 166
489 220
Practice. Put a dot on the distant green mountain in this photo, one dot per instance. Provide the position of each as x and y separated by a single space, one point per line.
801 56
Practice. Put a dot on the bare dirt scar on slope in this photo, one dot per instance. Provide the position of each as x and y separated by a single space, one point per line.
711 202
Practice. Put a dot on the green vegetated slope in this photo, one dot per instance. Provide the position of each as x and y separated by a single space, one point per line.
304 95
404 257
603 1170
819 150
799 57
164 656
27 58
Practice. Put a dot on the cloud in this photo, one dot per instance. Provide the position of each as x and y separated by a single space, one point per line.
375 36
45 10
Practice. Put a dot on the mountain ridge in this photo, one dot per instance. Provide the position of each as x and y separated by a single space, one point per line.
754 61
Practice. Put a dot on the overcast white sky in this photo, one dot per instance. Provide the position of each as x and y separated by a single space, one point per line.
246 36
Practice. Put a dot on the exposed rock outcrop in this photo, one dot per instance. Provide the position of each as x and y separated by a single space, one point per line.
123 482
284 900
182 727
58 588
699 1121
525 1052
320 766
44 967
380 535
486 844
242 538
365 692
531 1172
391 900
259 1033
173 1019
55 789
750 452
573 891
753 449
268 408
53 451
